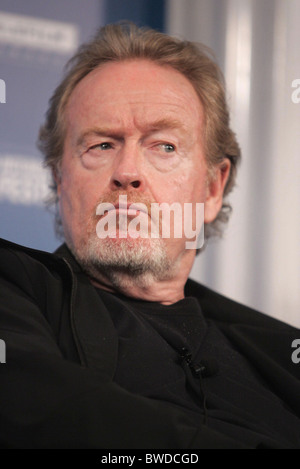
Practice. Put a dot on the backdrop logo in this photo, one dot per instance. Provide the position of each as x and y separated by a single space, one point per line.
2 91
23 180
2 351
37 33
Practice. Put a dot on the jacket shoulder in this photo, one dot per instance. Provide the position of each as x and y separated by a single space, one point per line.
18 262
9 246
222 309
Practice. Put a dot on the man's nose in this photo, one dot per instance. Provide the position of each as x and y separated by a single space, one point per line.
127 172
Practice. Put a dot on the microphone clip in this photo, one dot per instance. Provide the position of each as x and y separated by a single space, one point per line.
196 369
203 369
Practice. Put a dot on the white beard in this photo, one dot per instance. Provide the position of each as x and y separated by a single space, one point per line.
124 262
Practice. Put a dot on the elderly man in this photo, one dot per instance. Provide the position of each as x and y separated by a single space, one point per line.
109 345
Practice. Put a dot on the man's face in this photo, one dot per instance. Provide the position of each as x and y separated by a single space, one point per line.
134 128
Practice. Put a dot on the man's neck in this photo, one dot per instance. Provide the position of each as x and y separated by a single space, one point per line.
144 287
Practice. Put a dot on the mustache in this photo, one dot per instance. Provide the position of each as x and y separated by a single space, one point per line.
113 198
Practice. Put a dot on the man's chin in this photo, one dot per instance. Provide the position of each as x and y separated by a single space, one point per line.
127 256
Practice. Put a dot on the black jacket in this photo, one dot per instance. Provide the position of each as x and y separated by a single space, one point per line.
56 387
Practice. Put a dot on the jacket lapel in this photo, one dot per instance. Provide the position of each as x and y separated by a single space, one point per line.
94 333
94 329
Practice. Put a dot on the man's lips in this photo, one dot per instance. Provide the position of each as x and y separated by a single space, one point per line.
131 209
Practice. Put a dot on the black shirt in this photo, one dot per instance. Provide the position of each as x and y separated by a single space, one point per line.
172 353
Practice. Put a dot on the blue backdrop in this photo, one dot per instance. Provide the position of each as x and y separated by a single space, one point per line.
36 40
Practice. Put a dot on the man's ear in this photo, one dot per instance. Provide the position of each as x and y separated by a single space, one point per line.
215 189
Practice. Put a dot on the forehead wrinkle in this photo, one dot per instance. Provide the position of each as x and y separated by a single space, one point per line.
117 131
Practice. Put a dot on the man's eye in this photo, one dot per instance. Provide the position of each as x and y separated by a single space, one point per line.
102 146
167 147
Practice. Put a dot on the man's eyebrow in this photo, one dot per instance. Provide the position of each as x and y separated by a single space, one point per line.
164 123
147 128
97 132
